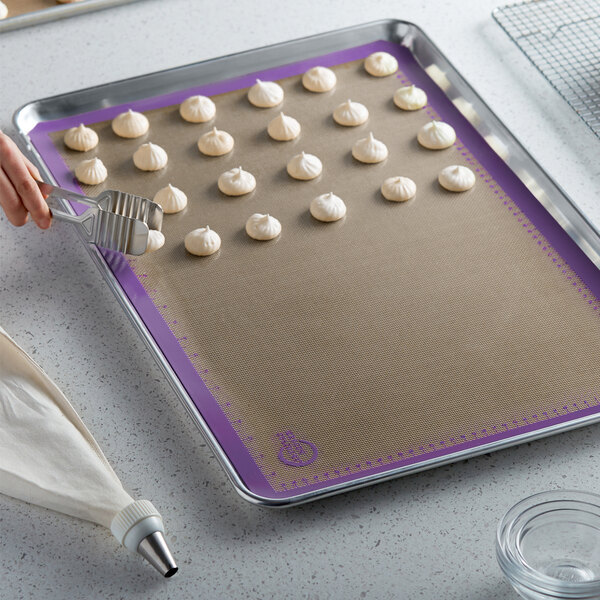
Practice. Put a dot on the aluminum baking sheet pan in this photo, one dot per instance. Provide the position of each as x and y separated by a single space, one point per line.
403 337
23 13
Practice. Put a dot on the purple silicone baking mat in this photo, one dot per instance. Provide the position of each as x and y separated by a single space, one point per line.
295 460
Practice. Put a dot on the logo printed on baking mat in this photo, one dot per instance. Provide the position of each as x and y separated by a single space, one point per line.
295 452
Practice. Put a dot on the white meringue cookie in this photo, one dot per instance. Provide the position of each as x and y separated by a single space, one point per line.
263 227
410 97
304 166
319 79
156 240
215 142
327 208
457 178
380 64
150 157
398 189
172 199
130 124
81 138
350 114
236 182
202 242
265 94
197 109
91 172
3 10
284 128
436 135
369 150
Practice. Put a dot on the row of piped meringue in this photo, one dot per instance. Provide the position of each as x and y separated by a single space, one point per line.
237 182
318 79
151 157
327 208
434 135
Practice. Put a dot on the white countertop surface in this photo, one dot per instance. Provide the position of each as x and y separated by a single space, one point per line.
426 536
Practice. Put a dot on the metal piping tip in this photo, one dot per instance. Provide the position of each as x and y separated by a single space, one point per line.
155 550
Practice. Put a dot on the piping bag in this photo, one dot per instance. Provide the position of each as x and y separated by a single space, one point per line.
48 457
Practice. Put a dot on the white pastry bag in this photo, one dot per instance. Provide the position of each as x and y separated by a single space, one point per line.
49 458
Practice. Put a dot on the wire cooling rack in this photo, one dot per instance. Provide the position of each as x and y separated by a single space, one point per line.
562 39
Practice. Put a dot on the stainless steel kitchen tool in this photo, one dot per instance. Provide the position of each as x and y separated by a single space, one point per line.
114 220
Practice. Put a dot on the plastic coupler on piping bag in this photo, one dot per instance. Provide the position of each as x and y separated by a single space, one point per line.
49 458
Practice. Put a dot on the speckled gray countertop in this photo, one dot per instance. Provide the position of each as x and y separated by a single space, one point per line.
425 536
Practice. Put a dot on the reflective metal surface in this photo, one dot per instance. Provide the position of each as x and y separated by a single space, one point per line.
54 13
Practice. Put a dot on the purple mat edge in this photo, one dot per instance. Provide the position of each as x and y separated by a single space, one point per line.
239 455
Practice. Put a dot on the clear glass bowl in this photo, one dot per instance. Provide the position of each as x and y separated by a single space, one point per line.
548 546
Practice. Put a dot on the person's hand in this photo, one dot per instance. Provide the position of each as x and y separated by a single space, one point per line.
20 195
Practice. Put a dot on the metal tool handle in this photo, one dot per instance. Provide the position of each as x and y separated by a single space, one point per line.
54 192
85 222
